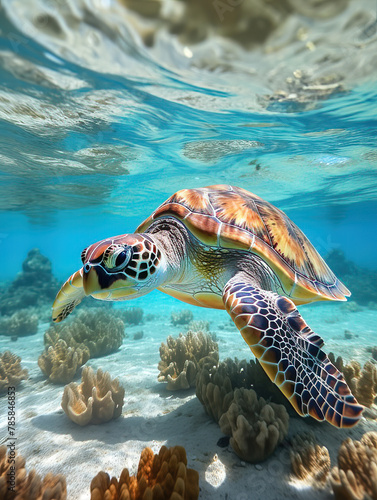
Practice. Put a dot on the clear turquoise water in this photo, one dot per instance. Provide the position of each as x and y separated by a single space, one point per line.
89 146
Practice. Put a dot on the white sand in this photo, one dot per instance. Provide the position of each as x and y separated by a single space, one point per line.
152 416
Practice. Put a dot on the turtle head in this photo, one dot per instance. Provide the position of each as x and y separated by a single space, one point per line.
122 268
119 268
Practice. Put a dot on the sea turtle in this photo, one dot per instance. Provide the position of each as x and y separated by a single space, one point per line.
226 248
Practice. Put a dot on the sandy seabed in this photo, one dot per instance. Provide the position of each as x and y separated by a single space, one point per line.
153 417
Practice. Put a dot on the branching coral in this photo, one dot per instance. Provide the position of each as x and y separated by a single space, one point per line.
181 357
99 330
362 381
96 400
11 372
20 323
355 478
255 426
181 317
59 362
159 477
27 486
310 461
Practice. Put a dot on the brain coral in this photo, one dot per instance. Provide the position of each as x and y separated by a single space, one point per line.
181 358
97 329
255 426
29 486
60 362
362 381
355 478
20 323
11 372
159 477
96 400
215 385
310 462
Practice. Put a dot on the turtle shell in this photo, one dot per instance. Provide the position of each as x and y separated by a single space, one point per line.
231 217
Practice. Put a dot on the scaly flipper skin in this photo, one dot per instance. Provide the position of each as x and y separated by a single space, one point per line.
70 294
290 353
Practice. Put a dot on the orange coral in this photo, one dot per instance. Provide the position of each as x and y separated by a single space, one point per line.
27 486
159 477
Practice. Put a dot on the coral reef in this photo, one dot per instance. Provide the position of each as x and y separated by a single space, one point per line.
161 477
96 400
255 426
130 315
20 323
99 330
181 358
215 385
355 478
11 372
34 286
60 362
363 280
181 317
361 381
199 325
310 461
28 486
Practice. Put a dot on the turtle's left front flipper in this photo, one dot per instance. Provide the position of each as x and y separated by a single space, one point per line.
290 353
68 297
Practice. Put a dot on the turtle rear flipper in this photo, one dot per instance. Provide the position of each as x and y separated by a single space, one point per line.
68 297
290 353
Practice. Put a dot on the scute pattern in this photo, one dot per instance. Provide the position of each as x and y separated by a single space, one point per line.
290 353
235 218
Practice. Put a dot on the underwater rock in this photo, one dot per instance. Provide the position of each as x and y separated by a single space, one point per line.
60 362
355 478
96 400
34 286
255 426
181 317
215 385
29 486
130 315
361 281
164 476
182 356
361 381
11 372
138 335
101 331
310 461
19 324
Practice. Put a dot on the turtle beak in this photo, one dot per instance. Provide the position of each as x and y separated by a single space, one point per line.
90 280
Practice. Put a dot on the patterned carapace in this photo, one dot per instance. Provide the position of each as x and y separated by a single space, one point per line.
231 217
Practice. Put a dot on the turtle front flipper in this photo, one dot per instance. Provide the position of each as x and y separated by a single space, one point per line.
68 297
290 353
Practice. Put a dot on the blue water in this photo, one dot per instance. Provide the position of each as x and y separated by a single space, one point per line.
96 135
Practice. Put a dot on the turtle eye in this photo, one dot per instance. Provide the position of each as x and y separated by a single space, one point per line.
115 258
122 258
